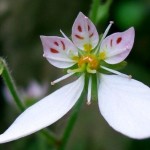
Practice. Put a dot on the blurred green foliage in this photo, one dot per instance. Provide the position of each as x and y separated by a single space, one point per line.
21 24
130 13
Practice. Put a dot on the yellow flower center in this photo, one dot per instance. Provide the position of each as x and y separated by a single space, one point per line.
90 60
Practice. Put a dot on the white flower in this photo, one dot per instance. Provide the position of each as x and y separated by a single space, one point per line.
123 102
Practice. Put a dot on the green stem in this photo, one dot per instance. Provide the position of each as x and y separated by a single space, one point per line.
71 123
10 84
51 138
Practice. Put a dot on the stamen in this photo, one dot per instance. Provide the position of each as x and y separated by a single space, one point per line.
106 31
62 78
90 70
104 35
117 72
75 70
80 69
89 91
64 35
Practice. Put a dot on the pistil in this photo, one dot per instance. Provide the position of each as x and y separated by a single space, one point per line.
90 61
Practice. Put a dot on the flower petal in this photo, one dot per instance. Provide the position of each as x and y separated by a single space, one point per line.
117 46
59 51
125 104
45 112
84 33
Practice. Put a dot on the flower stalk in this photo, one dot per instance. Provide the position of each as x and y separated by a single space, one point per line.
71 122
8 79
6 75
50 137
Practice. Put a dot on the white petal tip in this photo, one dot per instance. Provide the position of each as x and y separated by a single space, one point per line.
81 13
42 36
131 30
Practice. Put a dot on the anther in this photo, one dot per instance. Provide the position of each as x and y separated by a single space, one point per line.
111 22
52 83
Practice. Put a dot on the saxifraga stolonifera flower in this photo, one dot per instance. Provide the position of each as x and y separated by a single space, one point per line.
123 102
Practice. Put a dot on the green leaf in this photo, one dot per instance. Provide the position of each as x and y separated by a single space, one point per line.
103 11
99 11
94 10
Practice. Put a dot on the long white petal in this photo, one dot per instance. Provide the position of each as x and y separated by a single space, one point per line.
44 112
125 104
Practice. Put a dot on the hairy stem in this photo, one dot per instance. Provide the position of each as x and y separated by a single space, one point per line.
11 84
13 90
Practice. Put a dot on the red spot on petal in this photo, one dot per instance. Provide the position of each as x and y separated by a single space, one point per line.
119 40
53 50
63 45
79 29
111 42
91 35
79 37
88 28
56 43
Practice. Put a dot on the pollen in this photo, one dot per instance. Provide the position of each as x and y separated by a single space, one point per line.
87 47
89 60
102 55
